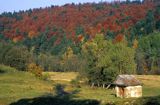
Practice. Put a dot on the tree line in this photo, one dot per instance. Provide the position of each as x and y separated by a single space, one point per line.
100 60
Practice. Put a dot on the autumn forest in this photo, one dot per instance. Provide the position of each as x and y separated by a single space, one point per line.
99 39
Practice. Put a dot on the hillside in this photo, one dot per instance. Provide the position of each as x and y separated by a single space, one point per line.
75 22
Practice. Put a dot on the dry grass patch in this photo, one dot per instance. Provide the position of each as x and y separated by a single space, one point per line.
62 76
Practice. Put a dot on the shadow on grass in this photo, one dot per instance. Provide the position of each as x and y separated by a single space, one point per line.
155 100
61 98
2 72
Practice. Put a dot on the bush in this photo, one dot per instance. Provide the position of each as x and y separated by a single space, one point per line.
17 57
45 76
35 69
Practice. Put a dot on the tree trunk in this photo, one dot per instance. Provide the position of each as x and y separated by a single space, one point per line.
98 84
108 86
103 86
92 85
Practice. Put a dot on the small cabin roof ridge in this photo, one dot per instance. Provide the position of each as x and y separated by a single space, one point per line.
126 80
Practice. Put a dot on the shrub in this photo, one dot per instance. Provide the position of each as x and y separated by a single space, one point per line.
17 57
35 69
46 76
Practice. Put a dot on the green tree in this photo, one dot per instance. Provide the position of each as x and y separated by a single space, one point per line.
17 57
3 49
144 26
60 48
71 62
150 22
79 30
157 14
106 60
49 62
149 47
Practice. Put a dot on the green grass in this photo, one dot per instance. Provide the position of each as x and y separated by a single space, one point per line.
151 85
151 88
16 86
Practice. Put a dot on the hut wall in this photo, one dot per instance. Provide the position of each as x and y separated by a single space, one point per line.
133 91
119 91
130 91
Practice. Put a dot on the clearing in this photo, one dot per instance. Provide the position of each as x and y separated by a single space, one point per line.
22 88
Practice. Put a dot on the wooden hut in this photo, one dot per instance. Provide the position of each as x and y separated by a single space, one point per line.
127 86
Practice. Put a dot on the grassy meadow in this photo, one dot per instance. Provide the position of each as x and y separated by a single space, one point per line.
23 88
151 88
15 85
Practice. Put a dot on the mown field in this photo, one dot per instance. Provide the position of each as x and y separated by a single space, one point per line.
22 88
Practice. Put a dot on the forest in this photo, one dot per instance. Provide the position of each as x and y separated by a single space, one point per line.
100 41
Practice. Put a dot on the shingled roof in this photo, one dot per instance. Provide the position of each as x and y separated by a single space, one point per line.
127 80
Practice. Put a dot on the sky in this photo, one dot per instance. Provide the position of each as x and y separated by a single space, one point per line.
16 5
